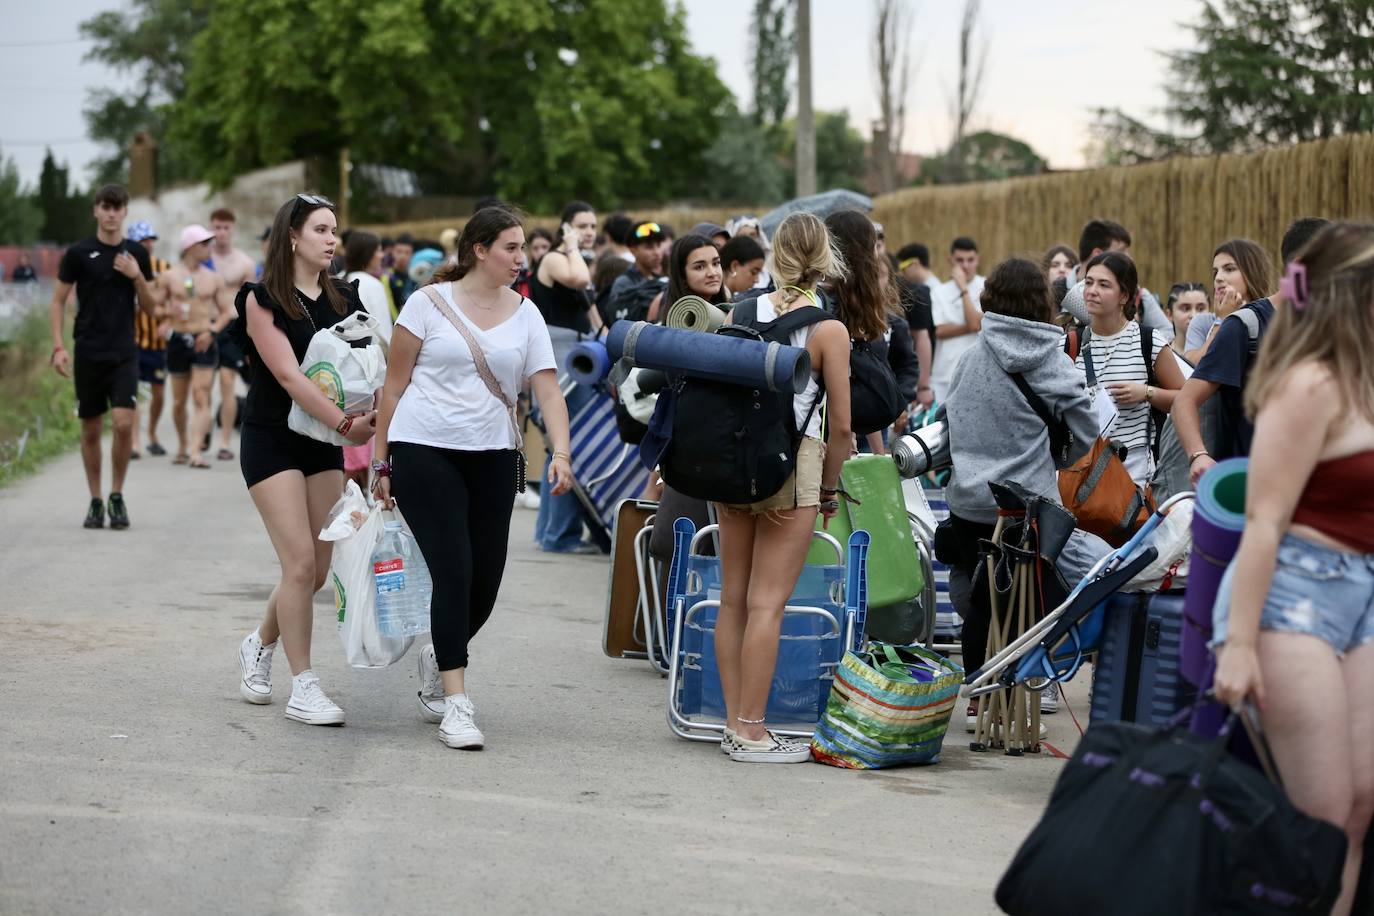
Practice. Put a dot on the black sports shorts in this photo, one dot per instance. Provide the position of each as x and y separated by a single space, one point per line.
268 450
101 385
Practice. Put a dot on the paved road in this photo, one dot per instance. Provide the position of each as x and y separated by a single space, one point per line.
134 780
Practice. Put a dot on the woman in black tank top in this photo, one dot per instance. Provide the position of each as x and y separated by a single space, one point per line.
559 285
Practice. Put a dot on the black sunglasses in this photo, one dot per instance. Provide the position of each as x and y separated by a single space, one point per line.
313 200
1187 288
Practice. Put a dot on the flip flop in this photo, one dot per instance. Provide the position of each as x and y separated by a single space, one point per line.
181 459
156 449
134 455
199 464
225 455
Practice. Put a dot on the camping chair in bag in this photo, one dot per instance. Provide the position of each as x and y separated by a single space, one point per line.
824 617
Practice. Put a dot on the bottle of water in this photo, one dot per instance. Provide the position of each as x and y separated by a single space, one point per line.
403 583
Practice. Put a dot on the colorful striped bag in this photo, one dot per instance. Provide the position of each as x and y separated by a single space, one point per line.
889 705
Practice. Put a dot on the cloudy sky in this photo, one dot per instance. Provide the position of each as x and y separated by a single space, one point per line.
1049 63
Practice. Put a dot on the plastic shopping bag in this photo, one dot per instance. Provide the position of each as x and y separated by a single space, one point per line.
348 375
356 530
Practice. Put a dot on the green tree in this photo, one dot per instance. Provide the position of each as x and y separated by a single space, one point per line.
986 156
840 153
1119 139
774 45
744 164
65 211
152 42
534 101
20 217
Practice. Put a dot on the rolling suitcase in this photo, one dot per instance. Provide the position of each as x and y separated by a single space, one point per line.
1138 678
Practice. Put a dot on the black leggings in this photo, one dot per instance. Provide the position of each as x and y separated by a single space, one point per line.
458 506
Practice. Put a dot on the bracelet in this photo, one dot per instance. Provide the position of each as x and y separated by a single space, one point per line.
344 425
925 388
1198 454
1149 393
58 349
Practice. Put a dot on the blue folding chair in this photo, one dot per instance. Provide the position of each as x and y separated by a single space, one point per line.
825 616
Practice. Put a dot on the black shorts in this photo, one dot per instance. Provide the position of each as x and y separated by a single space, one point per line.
101 385
152 366
182 355
230 354
268 450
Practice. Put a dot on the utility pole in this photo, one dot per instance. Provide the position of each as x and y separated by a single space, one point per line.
806 122
345 166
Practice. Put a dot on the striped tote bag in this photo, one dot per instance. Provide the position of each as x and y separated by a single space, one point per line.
890 705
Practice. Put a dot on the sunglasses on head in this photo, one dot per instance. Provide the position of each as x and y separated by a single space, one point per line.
313 200
1187 288
644 230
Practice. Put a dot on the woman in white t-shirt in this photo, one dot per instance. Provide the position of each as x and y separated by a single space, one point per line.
448 448
1111 292
363 261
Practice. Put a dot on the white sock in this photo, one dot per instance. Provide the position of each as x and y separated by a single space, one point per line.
455 697
299 680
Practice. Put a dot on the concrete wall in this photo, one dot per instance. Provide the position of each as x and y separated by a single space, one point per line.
253 197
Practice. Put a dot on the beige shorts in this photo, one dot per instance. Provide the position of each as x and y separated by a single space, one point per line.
803 488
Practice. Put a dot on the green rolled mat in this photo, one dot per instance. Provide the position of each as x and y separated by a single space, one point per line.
693 313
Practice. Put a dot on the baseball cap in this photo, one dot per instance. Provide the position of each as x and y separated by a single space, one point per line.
710 230
141 230
646 232
193 235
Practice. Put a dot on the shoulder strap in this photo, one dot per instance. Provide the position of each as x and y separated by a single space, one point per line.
1085 336
1037 404
745 311
1248 318
1147 340
789 322
479 360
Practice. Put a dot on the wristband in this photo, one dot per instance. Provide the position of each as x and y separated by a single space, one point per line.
1198 454
58 349
381 468
344 425
559 453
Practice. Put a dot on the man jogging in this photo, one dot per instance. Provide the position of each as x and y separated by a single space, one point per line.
111 277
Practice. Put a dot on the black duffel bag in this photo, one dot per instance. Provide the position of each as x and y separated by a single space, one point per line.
1148 822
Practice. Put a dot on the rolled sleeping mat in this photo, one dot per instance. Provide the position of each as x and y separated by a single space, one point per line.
693 313
717 357
588 362
1218 520
424 263
923 450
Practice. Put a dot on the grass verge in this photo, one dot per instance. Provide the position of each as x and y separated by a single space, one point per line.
38 408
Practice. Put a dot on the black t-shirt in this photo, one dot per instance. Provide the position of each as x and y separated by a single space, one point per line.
267 403
1227 364
915 300
105 299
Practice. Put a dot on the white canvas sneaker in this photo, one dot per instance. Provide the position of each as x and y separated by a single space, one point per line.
458 730
255 669
431 693
309 704
772 749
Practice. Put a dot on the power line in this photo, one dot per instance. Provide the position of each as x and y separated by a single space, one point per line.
43 43
44 142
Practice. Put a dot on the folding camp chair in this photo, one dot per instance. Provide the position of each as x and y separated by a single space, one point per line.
949 626
824 617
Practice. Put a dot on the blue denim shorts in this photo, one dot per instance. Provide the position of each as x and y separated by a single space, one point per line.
1316 590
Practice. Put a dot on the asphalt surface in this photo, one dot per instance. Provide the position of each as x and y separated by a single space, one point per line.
134 780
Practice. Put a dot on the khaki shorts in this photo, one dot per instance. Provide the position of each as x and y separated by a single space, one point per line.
803 488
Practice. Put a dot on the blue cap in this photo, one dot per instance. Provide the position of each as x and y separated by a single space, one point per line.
141 230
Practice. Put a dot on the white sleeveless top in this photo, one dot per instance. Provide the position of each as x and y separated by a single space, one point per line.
801 403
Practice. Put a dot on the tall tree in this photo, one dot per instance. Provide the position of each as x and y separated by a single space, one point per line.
152 42
743 164
20 217
893 72
538 102
774 43
973 58
840 153
65 212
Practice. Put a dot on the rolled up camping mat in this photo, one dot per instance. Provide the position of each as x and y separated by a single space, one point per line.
588 362
693 313
718 357
922 450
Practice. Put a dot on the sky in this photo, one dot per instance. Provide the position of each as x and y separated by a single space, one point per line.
1049 64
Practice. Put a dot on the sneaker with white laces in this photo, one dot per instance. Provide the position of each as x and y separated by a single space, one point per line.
431 694
458 730
309 704
772 749
255 669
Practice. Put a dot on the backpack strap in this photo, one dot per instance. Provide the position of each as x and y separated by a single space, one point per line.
1036 403
1147 339
1248 318
1085 335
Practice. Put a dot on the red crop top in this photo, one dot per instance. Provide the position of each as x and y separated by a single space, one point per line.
1338 500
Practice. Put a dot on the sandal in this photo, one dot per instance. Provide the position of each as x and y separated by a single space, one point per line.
225 455
181 459
198 464
156 449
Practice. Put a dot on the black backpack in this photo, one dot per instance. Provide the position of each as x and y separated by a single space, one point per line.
875 398
730 443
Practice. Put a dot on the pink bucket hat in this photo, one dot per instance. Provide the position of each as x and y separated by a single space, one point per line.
194 235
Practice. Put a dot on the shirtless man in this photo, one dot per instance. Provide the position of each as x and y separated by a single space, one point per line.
199 306
235 268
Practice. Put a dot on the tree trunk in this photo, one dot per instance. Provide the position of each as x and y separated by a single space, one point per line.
806 123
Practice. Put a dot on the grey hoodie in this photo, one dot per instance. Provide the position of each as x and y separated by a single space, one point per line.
994 434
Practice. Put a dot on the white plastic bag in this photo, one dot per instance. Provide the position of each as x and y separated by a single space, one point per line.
356 529
348 375
1174 541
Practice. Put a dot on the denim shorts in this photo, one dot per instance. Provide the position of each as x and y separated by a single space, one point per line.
1316 590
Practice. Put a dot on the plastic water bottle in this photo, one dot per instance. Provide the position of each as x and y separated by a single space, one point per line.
403 584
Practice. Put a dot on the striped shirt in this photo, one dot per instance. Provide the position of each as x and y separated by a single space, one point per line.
145 325
1118 358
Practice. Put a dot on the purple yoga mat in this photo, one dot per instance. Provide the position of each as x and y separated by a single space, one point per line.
1217 525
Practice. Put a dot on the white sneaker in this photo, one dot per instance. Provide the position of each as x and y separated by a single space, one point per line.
458 730
771 749
431 693
527 500
727 742
255 669
309 704
1049 701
